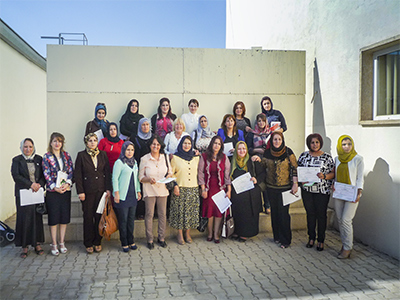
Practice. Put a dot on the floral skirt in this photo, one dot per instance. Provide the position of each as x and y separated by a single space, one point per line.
184 210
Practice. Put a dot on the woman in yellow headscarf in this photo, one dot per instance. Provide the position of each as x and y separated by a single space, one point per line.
349 170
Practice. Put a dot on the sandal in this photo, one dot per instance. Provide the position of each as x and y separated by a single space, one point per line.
242 240
310 243
284 246
320 247
54 250
97 248
39 250
24 253
63 249
89 250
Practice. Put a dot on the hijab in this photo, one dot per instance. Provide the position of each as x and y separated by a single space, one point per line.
129 161
21 147
141 134
101 123
115 139
91 152
277 152
204 132
133 117
240 162
343 168
186 155
270 112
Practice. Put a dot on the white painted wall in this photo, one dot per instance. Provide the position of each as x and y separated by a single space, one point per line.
22 114
332 34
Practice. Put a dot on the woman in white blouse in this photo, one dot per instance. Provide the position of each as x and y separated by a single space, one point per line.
191 118
173 138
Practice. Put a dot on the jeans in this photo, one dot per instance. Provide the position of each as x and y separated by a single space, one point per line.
316 205
345 212
126 224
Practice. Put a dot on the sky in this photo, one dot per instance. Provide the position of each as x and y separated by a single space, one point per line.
139 23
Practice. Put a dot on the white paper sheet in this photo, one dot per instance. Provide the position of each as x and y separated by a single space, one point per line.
29 197
61 178
102 204
221 201
308 174
289 198
227 148
345 192
243 183
166 180
99 134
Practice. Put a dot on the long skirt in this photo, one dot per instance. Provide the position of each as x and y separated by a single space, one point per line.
184 213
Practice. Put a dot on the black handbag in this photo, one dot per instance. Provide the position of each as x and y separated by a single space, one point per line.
203 222
41 209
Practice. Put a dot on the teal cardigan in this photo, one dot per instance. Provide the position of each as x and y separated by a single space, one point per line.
121 177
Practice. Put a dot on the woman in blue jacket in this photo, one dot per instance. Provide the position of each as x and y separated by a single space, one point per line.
127 193
229 132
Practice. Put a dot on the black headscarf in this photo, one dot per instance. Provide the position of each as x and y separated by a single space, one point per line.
182 153
270 112
133 117
115 139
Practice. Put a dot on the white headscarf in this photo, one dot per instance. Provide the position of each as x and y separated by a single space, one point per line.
22 149
204 132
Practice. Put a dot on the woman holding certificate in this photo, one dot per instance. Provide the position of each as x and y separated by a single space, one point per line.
93 178
58 172
316 194
349 170
246 206
214 169
27 172
229 132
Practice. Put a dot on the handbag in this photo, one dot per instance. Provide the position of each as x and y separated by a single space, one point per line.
41 209
202 224
229 226
108 223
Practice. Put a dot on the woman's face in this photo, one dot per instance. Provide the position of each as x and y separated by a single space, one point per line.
145 127
178 127
239 110
203 122
229 123
216 146
129 151
101 114
134 107
27 148
277 141
193 108
113 131
241 151
347 145
267 105
187 145
165 107
56 144
315 145
155 146
261 123
92 143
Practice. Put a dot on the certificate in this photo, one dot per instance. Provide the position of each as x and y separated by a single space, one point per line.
243 183
62 178
308 174
102 204
289 198
29 197
99 134
227 148
221 201
345 192
166 180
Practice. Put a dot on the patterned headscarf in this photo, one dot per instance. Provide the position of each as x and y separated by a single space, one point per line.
91 152
204 132
277 152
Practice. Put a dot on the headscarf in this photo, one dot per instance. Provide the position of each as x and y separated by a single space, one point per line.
260 135
186 155
115 139
22 149
91 152
133 117
141 134
343 168
101 123
277 152
204 132
129 161
270 112
240 162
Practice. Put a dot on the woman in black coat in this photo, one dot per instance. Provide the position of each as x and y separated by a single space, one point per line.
130 120
92 178
27 172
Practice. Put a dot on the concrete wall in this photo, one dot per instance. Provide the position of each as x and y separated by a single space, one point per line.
332 34
22 109
81 76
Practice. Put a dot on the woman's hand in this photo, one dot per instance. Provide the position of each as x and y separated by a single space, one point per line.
254 180
139 196
248 129
321 176
204 194
116 197
295 187
196 152
152 181
82 197
232 150
59 190
228 194
35 187
256 158
176 190
358 195
108 193
333 187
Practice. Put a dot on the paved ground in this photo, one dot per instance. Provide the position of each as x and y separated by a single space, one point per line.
257 269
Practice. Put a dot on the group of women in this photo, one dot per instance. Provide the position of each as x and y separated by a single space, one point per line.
177 160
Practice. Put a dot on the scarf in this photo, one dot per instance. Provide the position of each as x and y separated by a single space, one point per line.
240 162
92 152
204 132
260 136
270 112
129 161
115 139
133 117
141 134
21 147
102 123
277 152
343 175
186 155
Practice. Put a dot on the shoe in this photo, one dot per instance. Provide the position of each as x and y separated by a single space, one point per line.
277 241
162 243
310 243
340 252
242 240
24 253
189 240
63 249
217 241
209 239
89 250
150 246
125 249
54 250
97 248
320 246
268 211
133 247
284 246
345 254
38 250
181 241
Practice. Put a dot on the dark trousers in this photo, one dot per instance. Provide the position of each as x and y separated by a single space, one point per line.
267 205
316 205
126 224
280 218
91 219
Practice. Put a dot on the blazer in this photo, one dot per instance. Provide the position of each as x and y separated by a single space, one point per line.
88 179
51 167
239 136
20 173
122 177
